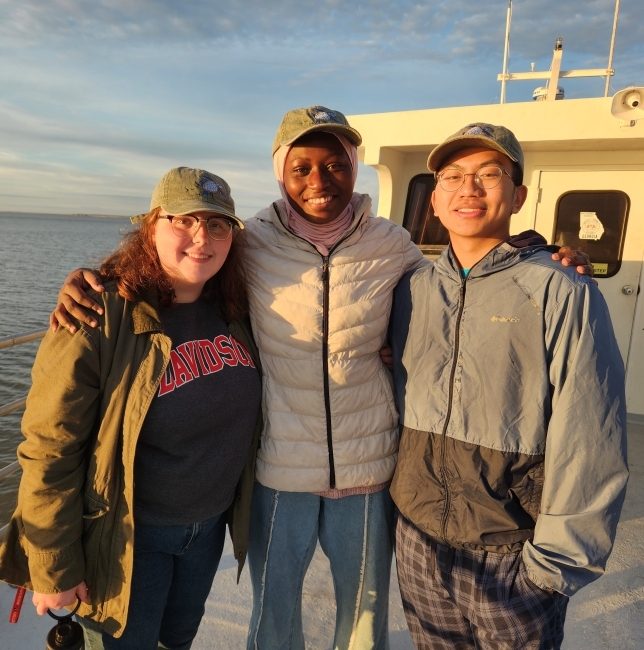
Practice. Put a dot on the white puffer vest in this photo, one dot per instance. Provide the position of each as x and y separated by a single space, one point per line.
319 323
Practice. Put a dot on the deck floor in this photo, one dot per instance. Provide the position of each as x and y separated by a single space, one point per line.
607 614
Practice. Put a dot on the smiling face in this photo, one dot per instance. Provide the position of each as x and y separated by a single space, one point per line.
474 213
318 177
189 261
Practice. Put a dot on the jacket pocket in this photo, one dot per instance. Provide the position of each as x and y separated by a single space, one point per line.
93 523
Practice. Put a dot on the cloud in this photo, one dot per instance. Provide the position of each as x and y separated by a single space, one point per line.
379 26
204 20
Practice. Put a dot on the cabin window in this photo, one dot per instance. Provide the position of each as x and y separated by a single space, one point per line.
425 229
594 222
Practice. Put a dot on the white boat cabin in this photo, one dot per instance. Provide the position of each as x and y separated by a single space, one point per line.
584 168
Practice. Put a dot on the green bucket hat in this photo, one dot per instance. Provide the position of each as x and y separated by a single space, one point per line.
184 190
314 118
478 134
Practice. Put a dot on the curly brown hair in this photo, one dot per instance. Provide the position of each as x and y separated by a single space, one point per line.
136 268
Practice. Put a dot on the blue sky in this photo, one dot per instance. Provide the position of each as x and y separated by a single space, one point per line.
99 98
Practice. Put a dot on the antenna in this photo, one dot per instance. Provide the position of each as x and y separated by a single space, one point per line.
553 75
506 52
555 70
612 48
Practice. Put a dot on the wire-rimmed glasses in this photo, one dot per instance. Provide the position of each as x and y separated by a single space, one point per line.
185 225
487 177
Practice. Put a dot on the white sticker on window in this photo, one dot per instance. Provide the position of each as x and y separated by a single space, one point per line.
590 227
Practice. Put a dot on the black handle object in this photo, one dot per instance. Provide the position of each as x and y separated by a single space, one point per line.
67 634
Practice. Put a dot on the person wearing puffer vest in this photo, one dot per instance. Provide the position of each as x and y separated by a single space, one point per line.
323 270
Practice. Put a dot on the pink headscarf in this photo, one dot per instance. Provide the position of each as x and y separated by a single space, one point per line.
322 236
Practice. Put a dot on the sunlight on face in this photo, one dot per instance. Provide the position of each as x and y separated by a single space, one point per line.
318 177
474 212
189 261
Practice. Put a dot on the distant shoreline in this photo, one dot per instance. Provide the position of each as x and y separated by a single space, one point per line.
63 214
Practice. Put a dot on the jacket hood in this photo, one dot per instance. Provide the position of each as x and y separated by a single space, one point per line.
500 257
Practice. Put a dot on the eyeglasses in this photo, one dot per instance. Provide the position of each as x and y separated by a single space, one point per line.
186 225
488 177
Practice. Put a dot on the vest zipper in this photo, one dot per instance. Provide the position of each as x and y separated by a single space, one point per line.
443 452
325 367
325 354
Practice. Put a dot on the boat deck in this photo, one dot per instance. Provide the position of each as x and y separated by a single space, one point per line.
607 614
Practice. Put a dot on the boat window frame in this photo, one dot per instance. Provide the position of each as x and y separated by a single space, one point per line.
427 249
622 234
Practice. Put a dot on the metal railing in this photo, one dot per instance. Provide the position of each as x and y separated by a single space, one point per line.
25 337
9 342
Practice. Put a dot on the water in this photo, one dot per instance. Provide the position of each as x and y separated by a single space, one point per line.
36 253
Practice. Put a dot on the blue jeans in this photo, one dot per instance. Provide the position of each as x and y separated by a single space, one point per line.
355 533
174 567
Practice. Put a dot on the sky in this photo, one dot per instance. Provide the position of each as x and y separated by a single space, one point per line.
99 98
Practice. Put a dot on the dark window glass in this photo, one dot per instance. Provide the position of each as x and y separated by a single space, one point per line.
426 230
594 222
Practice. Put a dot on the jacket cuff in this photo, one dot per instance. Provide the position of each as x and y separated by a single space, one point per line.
543 573
538 583
55 572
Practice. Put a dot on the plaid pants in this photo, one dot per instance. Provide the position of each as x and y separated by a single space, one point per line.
462 599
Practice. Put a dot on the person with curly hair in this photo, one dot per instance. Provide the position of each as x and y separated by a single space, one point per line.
141 434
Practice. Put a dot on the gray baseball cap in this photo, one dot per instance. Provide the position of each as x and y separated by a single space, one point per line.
184 190
478 134
300 121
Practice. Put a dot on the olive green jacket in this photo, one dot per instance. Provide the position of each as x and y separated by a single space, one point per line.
89 398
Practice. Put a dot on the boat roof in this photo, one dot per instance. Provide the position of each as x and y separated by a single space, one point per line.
571 124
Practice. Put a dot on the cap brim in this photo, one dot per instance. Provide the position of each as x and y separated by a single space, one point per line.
188 207
348 132
445 150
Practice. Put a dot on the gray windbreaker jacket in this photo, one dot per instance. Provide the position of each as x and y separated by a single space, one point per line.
510 388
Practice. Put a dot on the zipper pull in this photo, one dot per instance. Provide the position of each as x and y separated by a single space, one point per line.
325 266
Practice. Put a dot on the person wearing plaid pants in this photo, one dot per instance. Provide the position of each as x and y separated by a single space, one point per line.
509 383
457 599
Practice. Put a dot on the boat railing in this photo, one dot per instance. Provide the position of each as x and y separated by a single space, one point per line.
9 342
